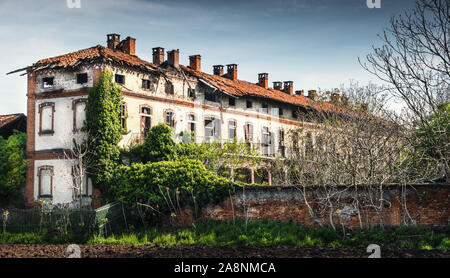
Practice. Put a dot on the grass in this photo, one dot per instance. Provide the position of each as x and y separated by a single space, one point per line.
260 233
267 233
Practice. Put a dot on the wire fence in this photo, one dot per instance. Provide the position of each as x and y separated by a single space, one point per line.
102 221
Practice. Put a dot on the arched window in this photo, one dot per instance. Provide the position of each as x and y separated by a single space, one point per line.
45 181
79 113
46 118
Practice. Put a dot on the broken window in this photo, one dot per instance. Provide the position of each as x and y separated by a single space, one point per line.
191 126
46 118
231 130
265 108
45 181
170 118
211 96
248 130
231 101
82 78
123 115
120 79
191 93
79 114
280 111
281 143
146 120
266 141
169 88
82 181
249 104
212 129
48 82
294 114
145 84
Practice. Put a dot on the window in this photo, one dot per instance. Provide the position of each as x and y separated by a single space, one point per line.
145 84
169 118
46 118
280 111
79 114
309 147
45 181
212 129
47 82
191 126
146 120
123 115
191 93
281 143
82 78
231 101
84 181
294 114
231 130
266 141
265 108
248 131
169 88
249 104
210 96
120 79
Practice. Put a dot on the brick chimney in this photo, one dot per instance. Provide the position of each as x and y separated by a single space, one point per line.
300 93
312 94
277 85
289 87
173 58
158 55
232 71
112 41
128 45
218 70
263 80
195 62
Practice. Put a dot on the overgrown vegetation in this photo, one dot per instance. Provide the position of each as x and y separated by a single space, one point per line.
259 233
13 167
103 124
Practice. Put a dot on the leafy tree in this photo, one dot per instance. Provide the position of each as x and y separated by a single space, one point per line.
103 112
13 167
157 146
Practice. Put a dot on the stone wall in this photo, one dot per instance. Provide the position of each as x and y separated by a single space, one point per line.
425 205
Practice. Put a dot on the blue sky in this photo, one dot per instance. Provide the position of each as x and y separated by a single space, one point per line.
315 43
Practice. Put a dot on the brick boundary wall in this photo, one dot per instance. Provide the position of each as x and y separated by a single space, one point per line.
427 204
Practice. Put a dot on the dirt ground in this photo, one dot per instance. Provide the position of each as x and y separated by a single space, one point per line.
151 251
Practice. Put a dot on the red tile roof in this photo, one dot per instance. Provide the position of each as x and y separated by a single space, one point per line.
92 54
6 119
233 87
242 88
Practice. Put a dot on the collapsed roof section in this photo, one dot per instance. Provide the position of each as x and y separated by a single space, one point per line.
229 86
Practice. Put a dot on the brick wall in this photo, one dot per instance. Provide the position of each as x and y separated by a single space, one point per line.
426 205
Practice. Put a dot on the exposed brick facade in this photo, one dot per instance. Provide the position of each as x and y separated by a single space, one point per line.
426 204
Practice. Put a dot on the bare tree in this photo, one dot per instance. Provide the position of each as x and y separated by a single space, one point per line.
414 61
353 151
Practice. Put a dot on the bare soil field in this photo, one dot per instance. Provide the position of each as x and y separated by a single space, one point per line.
192 251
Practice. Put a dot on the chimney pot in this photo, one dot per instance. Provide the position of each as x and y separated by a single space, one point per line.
263 80
128 45
289 87
300 93
218 70
173 57
158 55
277 85
232 71
195 62
112 41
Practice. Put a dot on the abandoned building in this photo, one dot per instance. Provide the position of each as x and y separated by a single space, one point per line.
213 107
11 122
